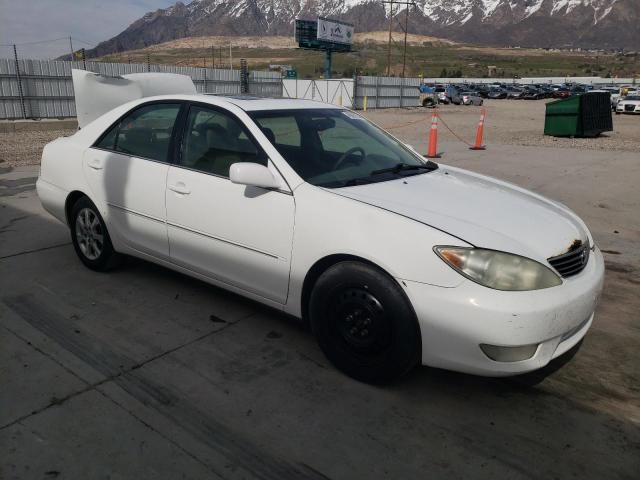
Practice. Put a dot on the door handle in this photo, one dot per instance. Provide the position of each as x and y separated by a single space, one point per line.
95 164
180 188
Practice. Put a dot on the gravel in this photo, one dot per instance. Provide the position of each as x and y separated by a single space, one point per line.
24 147
508 122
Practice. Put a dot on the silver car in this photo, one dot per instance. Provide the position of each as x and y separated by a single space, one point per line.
470 98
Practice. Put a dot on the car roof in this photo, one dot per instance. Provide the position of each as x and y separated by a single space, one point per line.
249 103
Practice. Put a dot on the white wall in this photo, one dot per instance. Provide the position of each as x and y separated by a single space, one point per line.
584 80
337 92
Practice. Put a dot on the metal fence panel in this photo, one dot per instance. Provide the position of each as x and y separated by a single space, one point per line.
47 88
387 92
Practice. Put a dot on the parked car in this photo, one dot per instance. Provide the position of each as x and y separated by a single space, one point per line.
312 210
497 93
471 98
561 93
578 89
622 92
441 94
629 104
428 97
515 93
533 93
453 94
546 90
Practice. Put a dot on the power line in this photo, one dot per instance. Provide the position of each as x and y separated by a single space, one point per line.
91 44
33 43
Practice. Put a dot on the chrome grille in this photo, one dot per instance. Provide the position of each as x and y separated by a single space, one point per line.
573 262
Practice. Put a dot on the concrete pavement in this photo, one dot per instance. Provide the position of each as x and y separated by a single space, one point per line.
145 373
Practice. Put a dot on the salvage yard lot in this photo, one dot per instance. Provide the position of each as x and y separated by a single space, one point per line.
145 373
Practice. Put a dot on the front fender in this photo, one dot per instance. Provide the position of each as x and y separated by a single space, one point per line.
329 224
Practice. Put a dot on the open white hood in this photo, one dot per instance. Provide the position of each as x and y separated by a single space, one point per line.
97 94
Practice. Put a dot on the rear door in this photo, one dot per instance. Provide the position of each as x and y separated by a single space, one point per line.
127 171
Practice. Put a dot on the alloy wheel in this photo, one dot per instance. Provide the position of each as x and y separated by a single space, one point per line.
89 233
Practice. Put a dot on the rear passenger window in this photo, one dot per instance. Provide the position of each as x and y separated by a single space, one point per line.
281 130
146 132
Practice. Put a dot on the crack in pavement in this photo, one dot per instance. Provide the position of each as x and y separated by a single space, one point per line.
36 250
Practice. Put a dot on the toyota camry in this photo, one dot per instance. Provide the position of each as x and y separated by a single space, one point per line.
311 209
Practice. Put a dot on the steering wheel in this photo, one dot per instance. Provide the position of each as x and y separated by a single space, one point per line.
346 155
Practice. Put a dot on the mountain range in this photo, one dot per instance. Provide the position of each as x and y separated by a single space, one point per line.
607 24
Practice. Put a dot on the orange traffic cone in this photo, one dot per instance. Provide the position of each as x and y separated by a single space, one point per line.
432 152
479 132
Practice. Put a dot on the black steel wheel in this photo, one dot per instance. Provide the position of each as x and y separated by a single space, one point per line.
364 323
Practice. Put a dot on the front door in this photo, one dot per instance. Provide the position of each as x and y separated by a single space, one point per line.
233 233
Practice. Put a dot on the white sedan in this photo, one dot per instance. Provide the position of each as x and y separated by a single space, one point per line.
313 210
628 104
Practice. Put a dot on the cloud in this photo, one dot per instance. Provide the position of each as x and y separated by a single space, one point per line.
88 21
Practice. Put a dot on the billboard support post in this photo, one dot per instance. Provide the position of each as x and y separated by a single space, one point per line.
327 64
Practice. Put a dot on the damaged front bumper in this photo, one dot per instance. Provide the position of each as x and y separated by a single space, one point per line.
474 329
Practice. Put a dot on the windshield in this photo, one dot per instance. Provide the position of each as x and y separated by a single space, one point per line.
337 148
632 97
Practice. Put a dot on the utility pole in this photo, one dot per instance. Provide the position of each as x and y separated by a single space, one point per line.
213 57
71 48
230 59
390 2
19 79
407 4
406 29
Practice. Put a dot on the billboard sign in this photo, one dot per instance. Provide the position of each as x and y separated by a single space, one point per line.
334 31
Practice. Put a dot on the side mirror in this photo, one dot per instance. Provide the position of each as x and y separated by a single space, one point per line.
253 174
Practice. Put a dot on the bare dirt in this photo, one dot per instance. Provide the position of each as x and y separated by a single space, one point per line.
25 147
508 122
277 42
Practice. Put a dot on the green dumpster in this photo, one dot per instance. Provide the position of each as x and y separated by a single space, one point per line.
586 115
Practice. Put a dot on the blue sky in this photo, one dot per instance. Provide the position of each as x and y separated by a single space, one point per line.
90 21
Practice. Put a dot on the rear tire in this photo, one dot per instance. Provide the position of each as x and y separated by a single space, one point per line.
364 323
90 237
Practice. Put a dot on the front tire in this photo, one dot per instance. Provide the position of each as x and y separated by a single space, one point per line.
364 323
90 237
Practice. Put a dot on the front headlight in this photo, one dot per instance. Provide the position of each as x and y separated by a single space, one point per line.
498 270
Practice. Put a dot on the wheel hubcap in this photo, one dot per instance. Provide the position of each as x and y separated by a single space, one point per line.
360 320
89 233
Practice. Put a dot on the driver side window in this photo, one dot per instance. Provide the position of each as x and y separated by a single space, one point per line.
214 140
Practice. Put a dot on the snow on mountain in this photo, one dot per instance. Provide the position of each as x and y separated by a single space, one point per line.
543 23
